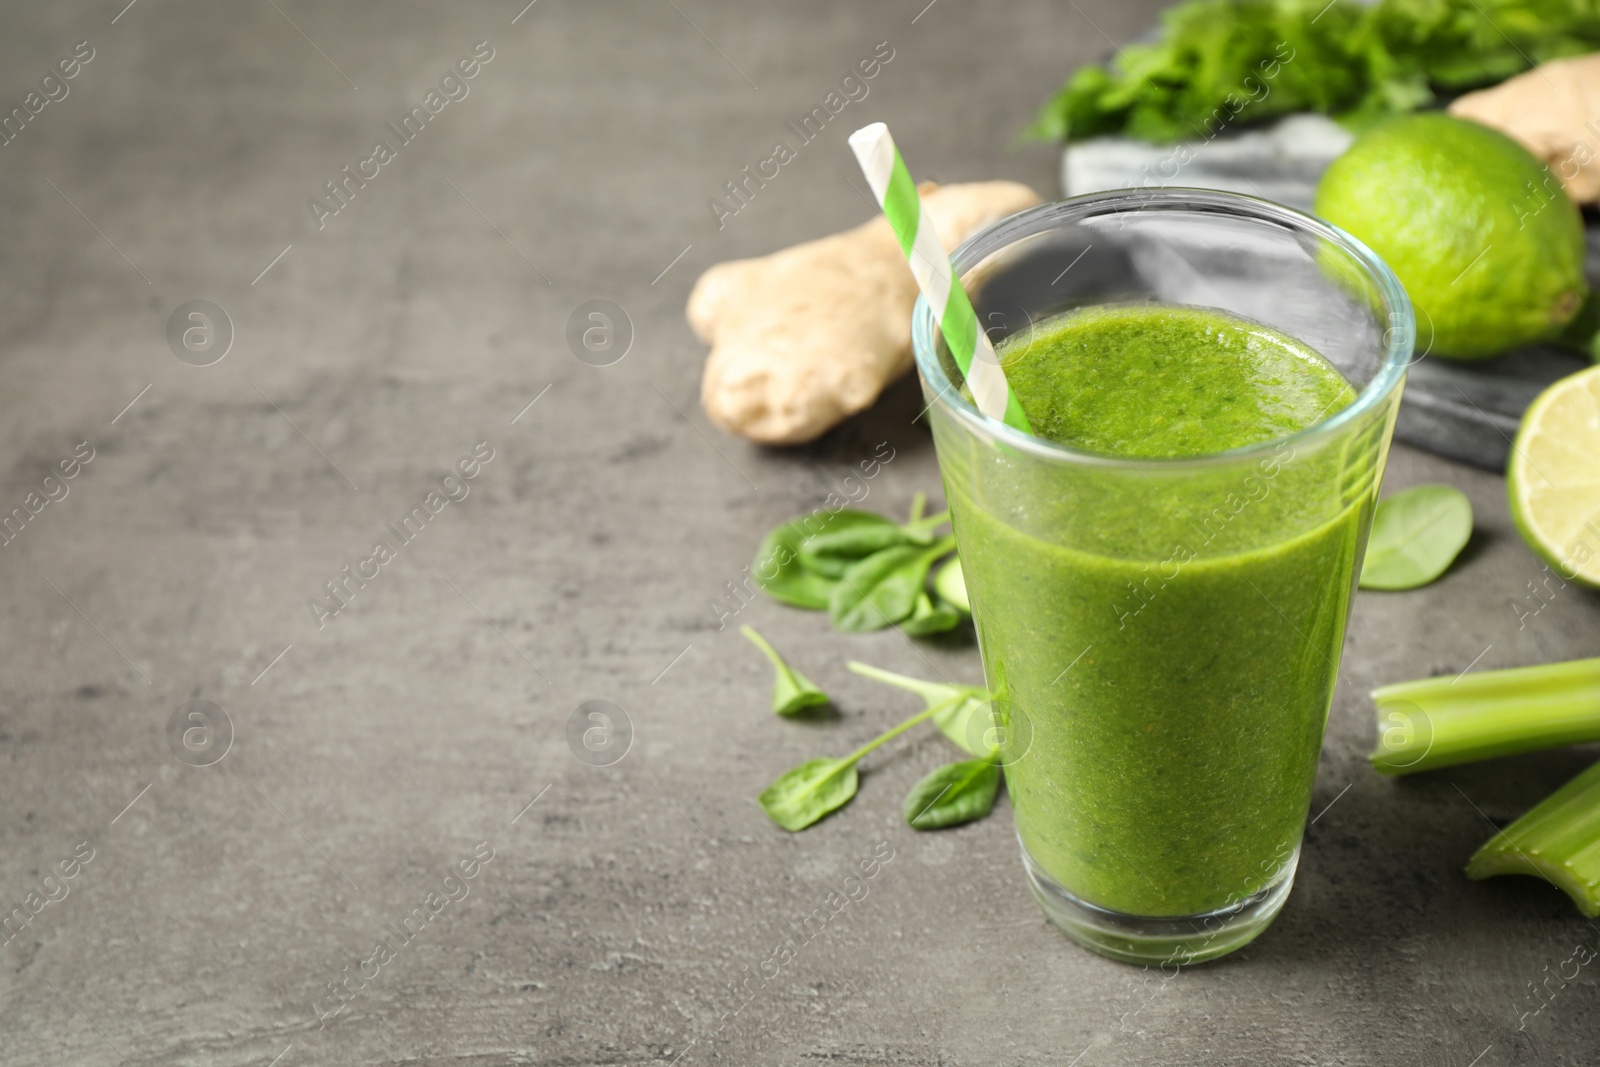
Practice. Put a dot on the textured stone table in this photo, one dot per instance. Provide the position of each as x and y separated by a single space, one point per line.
369 752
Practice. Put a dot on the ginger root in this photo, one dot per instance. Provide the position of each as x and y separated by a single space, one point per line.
808 336
1554 112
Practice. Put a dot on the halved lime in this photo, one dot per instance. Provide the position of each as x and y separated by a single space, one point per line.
1553 478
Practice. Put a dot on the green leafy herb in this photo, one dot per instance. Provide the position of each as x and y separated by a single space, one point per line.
791 691
866 570
931 617
1219 63
779 569
834 552
1439 722
1555 841
808 792
962 712
818 787
882 589
1416 535
951 584
953 794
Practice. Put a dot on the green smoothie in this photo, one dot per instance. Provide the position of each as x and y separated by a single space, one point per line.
1165 643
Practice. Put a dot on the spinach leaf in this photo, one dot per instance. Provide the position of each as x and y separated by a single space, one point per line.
932 693
833 552
1416 535
779 569
953 794
969 723
883 588
816 787
929 617
805 561
960 711
791 691
808 792
951 584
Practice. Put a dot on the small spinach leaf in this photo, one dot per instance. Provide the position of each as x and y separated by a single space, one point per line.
953 794
808 792
778 568
1416 535
883 588
932 693
929 617
833 552
962 711
805 794
951 584
791 691
969 723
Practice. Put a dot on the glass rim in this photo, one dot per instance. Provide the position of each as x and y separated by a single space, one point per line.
1399 336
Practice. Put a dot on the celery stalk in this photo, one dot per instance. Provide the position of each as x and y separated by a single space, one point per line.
1438 722
1559 841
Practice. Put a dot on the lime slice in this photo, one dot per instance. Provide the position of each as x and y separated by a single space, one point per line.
1553 478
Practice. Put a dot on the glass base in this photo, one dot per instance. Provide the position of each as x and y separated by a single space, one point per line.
1157 940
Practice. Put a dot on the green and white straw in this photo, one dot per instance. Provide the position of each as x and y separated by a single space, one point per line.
897 195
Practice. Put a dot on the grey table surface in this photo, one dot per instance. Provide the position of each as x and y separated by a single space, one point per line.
626 917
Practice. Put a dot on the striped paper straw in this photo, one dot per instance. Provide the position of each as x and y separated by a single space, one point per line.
897 195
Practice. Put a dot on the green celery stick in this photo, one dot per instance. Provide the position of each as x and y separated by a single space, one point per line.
1559 841
1439 722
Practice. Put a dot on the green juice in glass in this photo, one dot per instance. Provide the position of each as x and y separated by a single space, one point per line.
1174 665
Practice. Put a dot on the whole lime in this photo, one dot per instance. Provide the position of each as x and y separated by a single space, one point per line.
1482 235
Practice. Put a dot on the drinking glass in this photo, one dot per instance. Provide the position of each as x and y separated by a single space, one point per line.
1162 636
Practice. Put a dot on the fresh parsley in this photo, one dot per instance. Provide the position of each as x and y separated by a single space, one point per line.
1219 63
